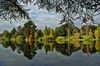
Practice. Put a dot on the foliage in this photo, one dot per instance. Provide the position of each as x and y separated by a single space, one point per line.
86 38
6 35
13 31
31 37
40 39
29 33
60 40
48 34
19 39
52 33
47 38
63 29
19 30
37 34
28 28
46 31
71 39
71 10
90 27
97 33
97 45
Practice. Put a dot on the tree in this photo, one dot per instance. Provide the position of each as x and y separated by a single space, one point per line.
97 33
71 10
13 31
90 27
40 34
63 30
31 37
29 27
52 33
6 34
46 31
12 9
19 30
37 34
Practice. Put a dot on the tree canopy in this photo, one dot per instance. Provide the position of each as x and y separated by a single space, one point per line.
71 10
12 9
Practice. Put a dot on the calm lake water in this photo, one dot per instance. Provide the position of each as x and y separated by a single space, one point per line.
49 13
52 54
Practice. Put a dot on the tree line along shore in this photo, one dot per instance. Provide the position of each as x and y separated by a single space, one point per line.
61 34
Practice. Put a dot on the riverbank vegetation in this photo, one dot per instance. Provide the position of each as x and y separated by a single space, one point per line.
29 33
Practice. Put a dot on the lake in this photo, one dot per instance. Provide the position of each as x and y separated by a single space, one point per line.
49 32
52 54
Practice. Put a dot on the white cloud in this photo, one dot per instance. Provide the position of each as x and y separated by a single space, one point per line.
40 17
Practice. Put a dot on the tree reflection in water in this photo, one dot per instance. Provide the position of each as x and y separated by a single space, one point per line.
66 49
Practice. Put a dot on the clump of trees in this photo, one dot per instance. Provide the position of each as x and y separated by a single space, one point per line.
20 33
29 33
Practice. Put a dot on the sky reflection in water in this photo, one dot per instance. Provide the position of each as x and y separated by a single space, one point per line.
8 57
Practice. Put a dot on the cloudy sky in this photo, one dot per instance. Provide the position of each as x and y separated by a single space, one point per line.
40 17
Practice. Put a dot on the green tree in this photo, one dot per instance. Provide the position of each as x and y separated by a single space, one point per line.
40 34
13 31
63 30
6 34
37 34
90 27
46 31
28 28
52 33
19 30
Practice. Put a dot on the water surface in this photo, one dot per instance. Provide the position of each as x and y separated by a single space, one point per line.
48 55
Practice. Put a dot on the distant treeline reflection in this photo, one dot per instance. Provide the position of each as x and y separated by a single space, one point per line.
29 50
28 39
